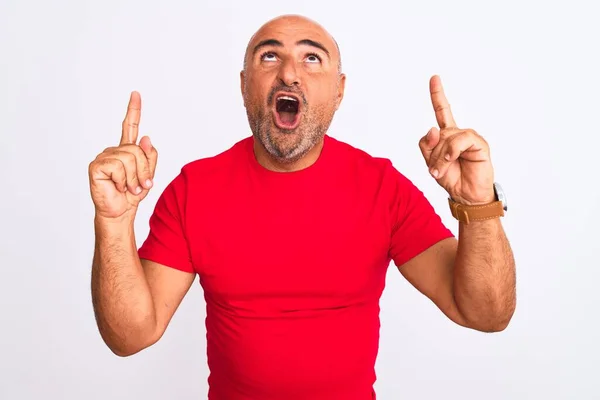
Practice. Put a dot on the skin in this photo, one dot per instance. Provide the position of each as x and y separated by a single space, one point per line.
133 299
471 280
312 71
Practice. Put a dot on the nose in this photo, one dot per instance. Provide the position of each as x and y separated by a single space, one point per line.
288 74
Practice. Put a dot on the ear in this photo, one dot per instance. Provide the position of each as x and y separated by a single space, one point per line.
243 86
341 89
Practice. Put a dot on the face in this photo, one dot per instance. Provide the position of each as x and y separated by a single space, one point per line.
291 86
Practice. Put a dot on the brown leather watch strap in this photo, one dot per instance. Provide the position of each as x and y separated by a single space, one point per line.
467 214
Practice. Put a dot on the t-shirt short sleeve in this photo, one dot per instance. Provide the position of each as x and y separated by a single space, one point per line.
416 225
166 243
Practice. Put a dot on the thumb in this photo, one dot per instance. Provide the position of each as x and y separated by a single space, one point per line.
151 153
428 143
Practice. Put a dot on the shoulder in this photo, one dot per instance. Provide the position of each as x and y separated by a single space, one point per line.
212 169
348 154
366 164
207 171
219 163
379 175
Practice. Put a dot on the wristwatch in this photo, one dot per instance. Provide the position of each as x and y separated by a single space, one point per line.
495 209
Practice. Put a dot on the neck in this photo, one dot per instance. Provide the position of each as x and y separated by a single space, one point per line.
273 164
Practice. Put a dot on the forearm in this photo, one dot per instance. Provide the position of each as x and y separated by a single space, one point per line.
122 301
484 275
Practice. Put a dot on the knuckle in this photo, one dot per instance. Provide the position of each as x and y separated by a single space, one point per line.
116 166
129 167
127 147
433 161
451 142
467 133
132 176
129 123
104 164
446 133
105 161
99 157
143 174
135 150
441 160
127 157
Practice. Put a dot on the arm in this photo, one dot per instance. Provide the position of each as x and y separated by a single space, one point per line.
471 280
134 300
484 275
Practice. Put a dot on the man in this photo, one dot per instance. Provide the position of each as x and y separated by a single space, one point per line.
291 232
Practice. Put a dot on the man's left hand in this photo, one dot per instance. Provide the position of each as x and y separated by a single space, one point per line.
459 159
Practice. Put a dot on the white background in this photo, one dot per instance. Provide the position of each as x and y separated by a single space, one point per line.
523 74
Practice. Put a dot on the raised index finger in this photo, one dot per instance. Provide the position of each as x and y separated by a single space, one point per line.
440 104
131 122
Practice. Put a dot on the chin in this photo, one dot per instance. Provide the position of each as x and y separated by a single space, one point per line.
286 146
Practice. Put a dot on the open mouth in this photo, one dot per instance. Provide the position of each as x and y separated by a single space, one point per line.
287 111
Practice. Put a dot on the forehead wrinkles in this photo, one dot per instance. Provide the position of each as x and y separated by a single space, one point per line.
288 33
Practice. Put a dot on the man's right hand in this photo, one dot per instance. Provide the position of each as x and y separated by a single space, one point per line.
120 177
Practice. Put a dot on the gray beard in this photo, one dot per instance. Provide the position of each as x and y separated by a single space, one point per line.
309 132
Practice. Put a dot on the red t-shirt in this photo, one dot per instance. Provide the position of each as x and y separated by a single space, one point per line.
292 266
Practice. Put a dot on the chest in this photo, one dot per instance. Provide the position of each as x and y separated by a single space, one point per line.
303 248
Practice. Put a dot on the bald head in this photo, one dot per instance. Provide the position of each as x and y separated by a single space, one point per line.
297 24
292 86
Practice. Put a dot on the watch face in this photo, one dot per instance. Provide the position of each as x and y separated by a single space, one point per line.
500 195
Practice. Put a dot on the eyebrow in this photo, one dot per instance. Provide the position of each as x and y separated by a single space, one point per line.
277 43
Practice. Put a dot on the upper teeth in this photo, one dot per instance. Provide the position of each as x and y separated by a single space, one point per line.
287 98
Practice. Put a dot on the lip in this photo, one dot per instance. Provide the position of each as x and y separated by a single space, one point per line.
278 122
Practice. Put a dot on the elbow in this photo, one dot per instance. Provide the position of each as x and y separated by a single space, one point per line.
492 320
127 344
489 325
503 315
495 322
122 352
125 351
493 326
129 347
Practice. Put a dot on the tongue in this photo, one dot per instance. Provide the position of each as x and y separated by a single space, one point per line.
287 118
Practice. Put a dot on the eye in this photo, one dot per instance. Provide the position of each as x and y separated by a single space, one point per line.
268 56
313 58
